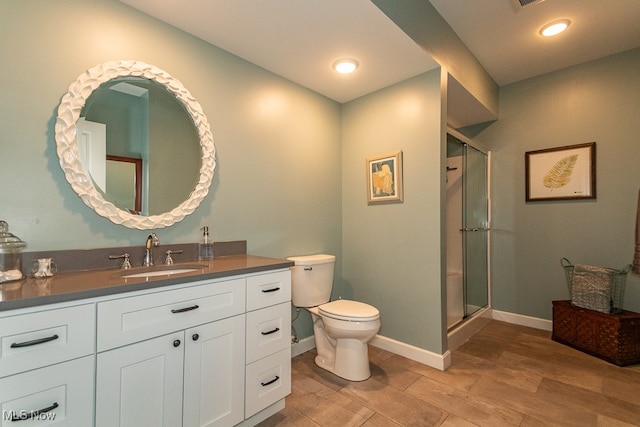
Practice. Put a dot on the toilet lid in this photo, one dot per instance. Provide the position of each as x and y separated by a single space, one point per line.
344 309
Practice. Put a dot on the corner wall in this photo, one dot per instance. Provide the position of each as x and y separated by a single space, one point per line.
392 253
597 101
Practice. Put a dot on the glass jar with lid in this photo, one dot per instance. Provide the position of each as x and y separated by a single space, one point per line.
10 254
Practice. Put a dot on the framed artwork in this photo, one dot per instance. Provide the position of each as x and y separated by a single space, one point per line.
562 173
384 178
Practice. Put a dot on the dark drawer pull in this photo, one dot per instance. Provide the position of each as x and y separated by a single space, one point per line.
182 310
270 290
24 415
273 331
34 342
270 382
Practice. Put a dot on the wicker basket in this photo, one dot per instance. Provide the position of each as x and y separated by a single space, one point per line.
596 288
612 337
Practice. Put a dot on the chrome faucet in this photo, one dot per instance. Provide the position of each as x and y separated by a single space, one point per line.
152 241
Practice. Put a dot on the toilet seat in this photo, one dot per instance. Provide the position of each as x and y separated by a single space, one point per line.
348 310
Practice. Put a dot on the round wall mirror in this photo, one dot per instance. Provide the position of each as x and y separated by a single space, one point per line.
135 145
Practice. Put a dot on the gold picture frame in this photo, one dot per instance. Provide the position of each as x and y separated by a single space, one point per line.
384 178
561 173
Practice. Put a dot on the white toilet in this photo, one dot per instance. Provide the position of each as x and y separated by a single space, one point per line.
342 328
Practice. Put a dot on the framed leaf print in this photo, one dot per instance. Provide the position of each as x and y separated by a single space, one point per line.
562 173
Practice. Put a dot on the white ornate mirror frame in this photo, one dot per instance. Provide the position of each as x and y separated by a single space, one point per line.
65 133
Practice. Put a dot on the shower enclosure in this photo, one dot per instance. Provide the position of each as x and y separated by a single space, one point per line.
467 230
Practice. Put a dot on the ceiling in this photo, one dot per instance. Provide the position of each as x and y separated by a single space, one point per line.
299 40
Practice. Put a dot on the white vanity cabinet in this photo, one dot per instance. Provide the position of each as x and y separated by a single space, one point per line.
202 353
172 358
47 366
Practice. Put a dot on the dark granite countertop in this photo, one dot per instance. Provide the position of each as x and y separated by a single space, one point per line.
71 286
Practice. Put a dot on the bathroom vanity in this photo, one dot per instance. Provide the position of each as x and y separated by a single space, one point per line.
191 344
208 347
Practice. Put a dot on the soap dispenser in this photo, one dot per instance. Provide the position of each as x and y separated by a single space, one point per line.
205 250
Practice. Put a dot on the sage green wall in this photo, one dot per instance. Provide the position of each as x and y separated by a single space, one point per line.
597 101
278 179
392 255
286 184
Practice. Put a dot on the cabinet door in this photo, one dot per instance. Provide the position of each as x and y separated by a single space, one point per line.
268 331
60 395
214 373
141 384
132 319
268 380
268 289
40 338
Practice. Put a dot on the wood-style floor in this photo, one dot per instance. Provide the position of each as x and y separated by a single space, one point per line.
505 375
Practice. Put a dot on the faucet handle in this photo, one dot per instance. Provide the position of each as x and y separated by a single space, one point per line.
169 259
126 265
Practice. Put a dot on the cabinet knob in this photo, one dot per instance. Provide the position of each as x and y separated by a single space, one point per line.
176 343
195 337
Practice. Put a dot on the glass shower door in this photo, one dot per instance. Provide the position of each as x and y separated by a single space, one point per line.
475 227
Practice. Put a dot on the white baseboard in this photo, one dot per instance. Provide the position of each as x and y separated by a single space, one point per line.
455 338
426 357
522 320
303 346
435 360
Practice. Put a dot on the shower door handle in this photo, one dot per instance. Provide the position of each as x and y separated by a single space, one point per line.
475 229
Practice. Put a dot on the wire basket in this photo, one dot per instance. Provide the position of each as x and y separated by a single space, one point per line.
596 288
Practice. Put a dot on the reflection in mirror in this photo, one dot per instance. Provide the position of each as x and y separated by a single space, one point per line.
124 181
164 129
143 120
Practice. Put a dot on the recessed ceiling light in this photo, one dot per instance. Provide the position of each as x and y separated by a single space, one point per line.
345 65
555 27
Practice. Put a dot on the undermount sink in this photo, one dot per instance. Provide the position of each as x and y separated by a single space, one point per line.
164 270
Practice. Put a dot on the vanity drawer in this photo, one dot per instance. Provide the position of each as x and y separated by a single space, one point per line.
63 394
268 289
34 340
268 331
268 380
128 320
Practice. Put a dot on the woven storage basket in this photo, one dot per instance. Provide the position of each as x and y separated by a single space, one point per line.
612 337
596 288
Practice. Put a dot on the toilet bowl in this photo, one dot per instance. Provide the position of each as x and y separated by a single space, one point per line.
342 339
342 328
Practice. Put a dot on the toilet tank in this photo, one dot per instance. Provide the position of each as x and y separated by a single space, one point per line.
311 279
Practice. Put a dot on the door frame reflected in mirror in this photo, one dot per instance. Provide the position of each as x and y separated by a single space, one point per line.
134 176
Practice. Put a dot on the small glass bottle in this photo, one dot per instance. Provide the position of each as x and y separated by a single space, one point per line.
205 250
